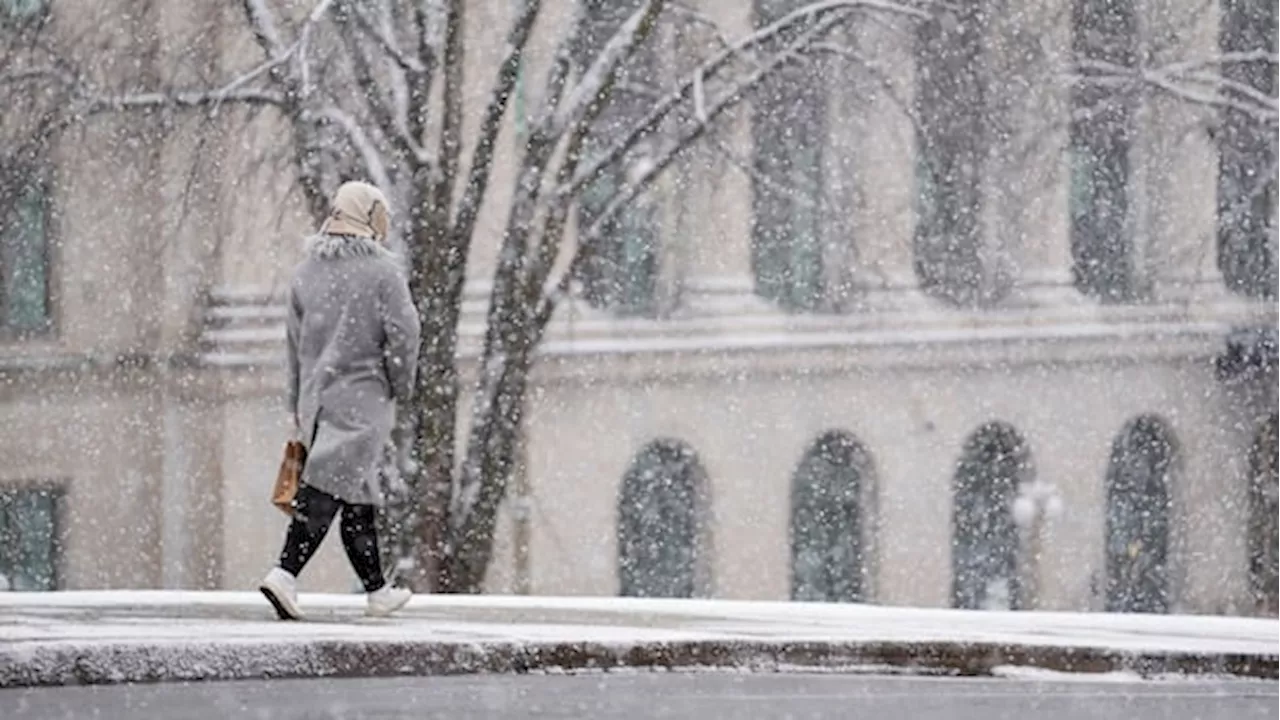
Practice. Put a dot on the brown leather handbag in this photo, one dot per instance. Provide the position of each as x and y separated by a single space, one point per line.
289 477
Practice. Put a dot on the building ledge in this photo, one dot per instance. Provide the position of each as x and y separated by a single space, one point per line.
246 328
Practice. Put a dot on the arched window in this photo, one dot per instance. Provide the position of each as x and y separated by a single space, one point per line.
1138 478
829 521
1264 507
620 270
661 523
1247 153
790 131
1102 119
952 143
985 539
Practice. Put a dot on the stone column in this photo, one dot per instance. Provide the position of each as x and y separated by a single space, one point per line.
1176 164
876 115
1028 177
710 247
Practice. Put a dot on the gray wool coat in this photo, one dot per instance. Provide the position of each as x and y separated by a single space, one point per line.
353 357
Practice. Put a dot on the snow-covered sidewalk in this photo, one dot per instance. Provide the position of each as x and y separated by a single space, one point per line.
52 638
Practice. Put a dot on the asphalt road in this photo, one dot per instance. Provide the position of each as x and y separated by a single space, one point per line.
709 696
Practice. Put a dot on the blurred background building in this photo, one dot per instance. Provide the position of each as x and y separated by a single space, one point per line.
929 321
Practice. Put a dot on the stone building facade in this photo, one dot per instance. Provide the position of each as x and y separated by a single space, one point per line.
1016 352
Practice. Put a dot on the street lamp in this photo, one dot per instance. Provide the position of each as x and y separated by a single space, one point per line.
1037 502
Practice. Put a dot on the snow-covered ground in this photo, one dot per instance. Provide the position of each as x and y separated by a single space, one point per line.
160 617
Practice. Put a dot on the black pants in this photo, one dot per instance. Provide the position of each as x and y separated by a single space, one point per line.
314 514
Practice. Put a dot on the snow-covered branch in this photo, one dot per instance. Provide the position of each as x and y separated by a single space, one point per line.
304 39
360 140
1223 59
450 146
877 70
728 99
665 157
806 15
604 67
184 99
430 18
499 97
1186 81
14 77
248 77
373 92
385 41
263 24
697 17
792 193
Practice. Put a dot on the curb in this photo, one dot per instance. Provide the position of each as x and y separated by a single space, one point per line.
106 663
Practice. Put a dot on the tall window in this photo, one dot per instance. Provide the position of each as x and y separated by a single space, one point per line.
828 518
24 252
1247 154
790 132
661 523
952 143
1104 38
1264 505
620 271
29 547
985 541
1142 459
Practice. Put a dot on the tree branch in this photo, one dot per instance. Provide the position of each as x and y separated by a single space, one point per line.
561 67
362 143
430 29
486 139
183 99
790 192
263 25
634 187
451 121
806 14
371 93
386 42
300 47
1210 92
604 67
697 17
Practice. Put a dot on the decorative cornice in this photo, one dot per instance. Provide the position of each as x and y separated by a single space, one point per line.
245 328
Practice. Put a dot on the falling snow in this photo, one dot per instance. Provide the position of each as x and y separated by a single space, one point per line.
890 302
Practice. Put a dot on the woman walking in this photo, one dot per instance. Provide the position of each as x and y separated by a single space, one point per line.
353 357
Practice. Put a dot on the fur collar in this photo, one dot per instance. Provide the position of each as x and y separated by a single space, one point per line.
332 247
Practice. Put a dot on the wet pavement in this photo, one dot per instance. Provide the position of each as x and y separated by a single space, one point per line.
701 696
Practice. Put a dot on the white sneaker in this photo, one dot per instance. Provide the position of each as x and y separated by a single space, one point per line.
281 590
386 600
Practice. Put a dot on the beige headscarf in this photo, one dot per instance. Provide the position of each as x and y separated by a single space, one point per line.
360 209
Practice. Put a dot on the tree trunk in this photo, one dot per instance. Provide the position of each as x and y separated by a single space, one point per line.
491 455
435 407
